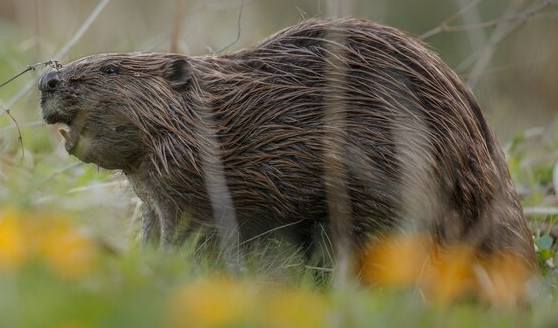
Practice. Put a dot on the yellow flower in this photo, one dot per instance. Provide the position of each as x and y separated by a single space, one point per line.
445 272
13 249
503 279
212 303
449 273
295 309
396 261
69 253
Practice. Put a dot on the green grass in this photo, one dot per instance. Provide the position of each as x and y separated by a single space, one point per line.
136 289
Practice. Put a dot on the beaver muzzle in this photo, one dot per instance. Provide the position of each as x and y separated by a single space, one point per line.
48 85
56 111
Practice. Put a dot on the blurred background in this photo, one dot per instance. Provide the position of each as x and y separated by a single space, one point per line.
506 50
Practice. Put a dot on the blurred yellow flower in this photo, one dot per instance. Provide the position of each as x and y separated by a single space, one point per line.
504 279
69 253
12 241
294 309
65 250
396 261
222 302
213 303
449 273
444 273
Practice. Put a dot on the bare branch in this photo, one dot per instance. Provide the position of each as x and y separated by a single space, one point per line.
481 58
20 138
16 76
51 63
495 22
79 33
524 16
82 29
238 31
441 28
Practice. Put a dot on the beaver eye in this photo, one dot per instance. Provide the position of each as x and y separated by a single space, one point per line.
109 70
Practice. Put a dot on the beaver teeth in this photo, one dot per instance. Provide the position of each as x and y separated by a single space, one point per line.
65 132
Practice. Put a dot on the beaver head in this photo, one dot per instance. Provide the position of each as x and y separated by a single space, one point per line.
104 103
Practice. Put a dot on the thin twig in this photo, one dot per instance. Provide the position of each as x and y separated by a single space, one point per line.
440 28
267 232
499 68
238 29
6 109
491 23
16 76
51 63
82 29
79 33
20 138
482 57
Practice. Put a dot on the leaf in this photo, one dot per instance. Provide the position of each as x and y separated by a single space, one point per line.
544 242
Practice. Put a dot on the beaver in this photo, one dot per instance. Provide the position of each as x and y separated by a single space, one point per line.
335 129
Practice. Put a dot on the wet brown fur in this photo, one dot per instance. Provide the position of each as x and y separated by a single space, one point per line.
415 146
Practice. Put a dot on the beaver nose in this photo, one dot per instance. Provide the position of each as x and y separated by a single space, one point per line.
49 81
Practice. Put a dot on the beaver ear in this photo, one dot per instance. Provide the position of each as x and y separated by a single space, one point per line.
178 72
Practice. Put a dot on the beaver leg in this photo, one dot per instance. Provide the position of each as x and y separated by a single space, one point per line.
150 226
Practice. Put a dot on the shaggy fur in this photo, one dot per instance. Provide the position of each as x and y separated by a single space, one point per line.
330 121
